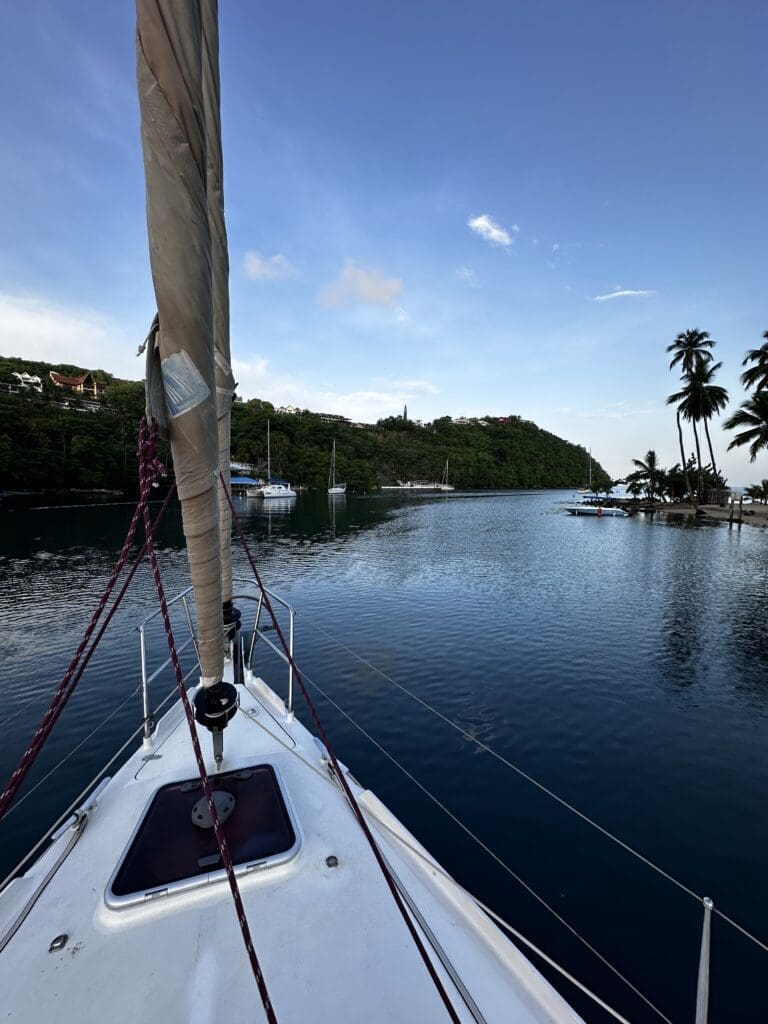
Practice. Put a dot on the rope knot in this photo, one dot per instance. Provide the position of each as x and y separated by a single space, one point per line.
151 469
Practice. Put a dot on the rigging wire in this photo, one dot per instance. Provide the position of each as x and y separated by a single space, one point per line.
147 472
433 866
410 924
535 782
83 793
73 751
65 689
532 892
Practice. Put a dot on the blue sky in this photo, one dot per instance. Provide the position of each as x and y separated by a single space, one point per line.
501 207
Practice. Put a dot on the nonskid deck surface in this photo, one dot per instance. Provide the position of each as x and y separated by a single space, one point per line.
330 940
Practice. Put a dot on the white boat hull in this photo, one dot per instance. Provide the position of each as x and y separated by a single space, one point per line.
596 510
278 491
329 938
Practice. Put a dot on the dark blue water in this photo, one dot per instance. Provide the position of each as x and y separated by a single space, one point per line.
624 663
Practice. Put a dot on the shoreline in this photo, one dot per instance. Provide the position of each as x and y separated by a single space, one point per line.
752 515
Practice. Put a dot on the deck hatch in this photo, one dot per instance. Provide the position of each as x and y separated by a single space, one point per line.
169 852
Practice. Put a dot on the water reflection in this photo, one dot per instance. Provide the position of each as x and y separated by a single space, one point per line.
623 662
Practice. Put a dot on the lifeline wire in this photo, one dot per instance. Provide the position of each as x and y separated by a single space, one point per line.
433 866
340 775
74 672
490 852
539 785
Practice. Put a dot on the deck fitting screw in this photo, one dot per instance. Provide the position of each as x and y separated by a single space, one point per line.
332 862
58 943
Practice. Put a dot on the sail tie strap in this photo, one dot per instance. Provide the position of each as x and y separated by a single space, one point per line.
340 775
147 450
221 839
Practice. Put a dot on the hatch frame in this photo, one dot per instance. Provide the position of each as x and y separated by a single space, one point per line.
204 879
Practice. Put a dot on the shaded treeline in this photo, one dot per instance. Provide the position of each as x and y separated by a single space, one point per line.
46 446
512 454
697 402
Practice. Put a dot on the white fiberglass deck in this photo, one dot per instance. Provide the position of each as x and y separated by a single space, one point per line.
331 942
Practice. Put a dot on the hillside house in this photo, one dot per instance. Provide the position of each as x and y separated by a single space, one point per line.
84 385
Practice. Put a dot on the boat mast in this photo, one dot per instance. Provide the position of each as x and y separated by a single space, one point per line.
181 375
333 465
225 381
269 463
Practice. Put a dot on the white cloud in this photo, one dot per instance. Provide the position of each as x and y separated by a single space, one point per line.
257 380
622 293
488 229
423 387
33 327
271 268
401 315
355 286
468 275
556 247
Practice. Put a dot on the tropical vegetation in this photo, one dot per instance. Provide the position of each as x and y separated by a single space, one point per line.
752 415
698 400
46 446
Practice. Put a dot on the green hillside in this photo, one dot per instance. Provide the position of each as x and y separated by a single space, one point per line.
46 446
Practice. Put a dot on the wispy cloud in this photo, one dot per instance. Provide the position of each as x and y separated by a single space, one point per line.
468 275
256 379
267 268
487 228
422 387
33 327
356 286
623 293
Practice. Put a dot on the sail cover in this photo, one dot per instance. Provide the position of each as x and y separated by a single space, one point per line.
172 39
225 382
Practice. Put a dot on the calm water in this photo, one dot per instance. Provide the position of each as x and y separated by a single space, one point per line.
624 663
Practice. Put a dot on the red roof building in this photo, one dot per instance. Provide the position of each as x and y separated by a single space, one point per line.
82 385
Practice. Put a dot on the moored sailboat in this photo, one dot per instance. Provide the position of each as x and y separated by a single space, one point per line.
333 487
275 488
444 485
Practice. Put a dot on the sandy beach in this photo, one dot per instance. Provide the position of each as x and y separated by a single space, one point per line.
752 515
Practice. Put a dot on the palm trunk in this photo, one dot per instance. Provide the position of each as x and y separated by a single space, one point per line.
711 451
683 461
698 460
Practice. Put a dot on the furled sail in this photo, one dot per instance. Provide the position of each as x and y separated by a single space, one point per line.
175 40
225 382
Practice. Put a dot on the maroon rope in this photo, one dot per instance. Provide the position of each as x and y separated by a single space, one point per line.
76 667
340 774
218 830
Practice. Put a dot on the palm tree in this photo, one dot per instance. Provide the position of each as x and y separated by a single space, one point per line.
759 492
634 485
648 472
753 415
691 349
707 399
683 461
687 407
756 376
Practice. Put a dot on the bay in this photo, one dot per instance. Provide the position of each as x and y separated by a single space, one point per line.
623 663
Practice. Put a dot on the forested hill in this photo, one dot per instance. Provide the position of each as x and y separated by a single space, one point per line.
515 453
45 445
